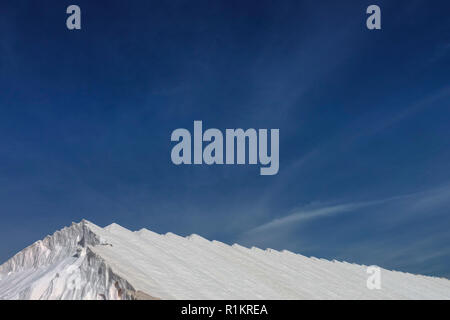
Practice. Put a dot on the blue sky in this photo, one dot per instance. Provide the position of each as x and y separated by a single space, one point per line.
86 118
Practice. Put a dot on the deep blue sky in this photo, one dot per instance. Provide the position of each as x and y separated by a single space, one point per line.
86 118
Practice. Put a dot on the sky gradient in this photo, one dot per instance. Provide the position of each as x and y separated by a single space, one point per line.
86 118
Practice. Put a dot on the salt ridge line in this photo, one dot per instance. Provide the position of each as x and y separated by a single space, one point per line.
116 263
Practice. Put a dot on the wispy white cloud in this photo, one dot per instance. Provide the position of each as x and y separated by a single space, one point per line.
308 214
395 245
417 202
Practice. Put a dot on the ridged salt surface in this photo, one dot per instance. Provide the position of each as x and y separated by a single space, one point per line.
85 261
